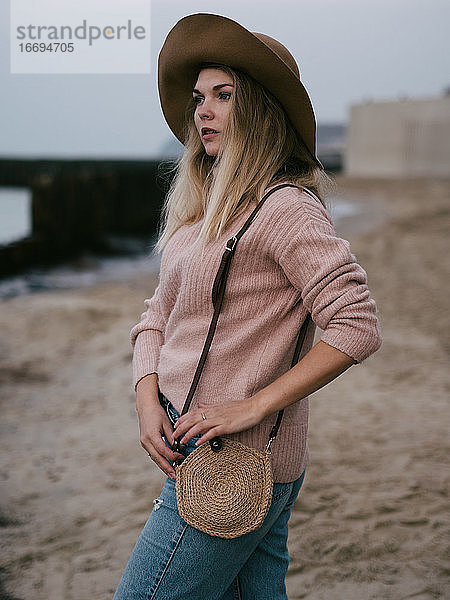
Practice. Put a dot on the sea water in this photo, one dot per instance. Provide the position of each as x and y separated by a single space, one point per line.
15 213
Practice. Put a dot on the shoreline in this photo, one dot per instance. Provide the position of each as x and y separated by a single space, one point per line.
371 518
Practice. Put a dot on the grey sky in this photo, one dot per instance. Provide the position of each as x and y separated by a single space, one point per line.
348 51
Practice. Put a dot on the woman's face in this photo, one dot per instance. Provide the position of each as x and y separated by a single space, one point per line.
212 93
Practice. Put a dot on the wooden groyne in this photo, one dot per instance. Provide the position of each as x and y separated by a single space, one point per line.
82 205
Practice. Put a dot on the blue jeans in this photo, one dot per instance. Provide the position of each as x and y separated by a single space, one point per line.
174 561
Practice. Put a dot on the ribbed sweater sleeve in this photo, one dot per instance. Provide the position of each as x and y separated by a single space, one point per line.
332 284
147 337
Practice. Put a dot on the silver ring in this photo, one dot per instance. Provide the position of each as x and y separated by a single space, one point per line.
203 416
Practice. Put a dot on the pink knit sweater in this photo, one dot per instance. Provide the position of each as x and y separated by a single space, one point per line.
290 261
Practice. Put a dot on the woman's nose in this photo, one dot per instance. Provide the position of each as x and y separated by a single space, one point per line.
205 110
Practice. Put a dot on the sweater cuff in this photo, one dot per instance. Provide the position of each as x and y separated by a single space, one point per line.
146 354
359 346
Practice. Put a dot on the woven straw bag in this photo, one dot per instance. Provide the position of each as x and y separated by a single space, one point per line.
224 488
225 493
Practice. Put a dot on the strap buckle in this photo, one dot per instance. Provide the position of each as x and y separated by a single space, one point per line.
233 241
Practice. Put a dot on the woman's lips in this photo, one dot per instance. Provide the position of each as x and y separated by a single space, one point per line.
208 132
210 135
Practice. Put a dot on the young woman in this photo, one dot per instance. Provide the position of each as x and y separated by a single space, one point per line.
235 99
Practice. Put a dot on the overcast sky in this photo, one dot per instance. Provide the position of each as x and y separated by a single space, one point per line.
348 51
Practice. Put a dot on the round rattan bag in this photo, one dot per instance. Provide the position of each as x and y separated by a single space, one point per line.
225 493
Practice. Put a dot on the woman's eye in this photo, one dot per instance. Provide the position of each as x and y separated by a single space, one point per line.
221 95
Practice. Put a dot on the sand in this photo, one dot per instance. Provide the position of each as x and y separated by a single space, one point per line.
371 521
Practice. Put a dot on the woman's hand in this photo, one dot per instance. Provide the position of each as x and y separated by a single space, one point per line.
154 424
211 420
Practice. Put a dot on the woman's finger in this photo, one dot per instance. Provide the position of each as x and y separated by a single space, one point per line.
164 451
168 432
185 422
209 435
163 464
195 428
161 455
186 418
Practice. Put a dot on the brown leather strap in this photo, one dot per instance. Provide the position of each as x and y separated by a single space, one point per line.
218 293
298 348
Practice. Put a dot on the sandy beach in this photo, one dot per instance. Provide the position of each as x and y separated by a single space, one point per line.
371 521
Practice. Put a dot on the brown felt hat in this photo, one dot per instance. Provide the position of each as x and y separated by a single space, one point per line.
203 38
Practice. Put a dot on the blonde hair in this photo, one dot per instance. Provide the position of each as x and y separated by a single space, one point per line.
259 148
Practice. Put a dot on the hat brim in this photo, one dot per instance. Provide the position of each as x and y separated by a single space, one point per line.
205 37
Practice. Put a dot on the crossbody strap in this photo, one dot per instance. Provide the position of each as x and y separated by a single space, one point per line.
218 293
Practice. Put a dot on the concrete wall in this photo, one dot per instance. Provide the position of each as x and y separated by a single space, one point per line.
398 139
